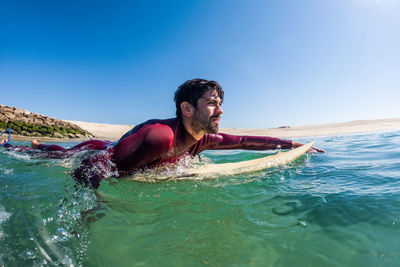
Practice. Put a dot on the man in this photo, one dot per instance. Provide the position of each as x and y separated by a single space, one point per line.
195 129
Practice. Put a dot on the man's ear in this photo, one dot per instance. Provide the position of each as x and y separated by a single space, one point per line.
187 109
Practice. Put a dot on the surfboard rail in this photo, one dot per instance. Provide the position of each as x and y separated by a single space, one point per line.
281 158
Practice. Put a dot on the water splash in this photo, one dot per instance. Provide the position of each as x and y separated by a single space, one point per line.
6 171
169 171
19 155
4 215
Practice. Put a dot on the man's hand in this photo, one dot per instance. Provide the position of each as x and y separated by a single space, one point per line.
311 150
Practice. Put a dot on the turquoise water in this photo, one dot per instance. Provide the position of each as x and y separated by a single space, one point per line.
341 208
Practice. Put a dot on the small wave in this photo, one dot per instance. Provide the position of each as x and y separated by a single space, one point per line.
19 155
4 215
6 171
73 160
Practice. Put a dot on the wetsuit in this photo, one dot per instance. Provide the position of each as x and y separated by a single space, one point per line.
159 141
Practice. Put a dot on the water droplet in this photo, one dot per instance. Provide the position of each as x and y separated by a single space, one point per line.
302 224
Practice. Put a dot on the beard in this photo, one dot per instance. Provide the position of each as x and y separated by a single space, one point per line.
204 123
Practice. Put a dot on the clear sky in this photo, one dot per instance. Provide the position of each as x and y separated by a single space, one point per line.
282 62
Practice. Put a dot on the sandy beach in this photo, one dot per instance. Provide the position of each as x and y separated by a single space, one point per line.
115 131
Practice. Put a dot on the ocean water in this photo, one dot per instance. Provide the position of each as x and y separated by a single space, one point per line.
341 208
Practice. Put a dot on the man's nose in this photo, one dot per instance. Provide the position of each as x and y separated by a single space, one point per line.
219 110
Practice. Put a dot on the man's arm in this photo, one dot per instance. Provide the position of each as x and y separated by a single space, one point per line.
227 141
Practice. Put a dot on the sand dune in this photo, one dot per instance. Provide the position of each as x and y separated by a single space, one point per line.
104 131
115 131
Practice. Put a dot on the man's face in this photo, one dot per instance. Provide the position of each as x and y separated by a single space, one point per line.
208 112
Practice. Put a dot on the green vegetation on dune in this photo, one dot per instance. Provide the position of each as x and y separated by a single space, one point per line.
30 129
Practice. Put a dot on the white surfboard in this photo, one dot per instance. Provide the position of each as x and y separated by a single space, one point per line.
199 172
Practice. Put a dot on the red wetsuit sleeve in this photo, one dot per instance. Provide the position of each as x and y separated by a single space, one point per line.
227 141
148 145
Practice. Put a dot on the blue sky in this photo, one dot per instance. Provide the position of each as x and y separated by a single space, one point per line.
280 62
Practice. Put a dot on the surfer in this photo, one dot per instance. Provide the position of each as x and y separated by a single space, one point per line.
193 130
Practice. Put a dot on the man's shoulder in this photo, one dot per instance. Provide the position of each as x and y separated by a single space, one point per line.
157 127
159 130
167 122
152 125
156 124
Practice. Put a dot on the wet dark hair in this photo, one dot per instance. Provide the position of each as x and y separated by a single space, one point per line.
194 89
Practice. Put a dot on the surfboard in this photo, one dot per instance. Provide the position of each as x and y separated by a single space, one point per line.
206 171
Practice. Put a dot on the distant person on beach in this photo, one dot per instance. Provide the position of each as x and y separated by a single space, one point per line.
193 130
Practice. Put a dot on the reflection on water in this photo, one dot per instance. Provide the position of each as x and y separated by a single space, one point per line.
334 209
